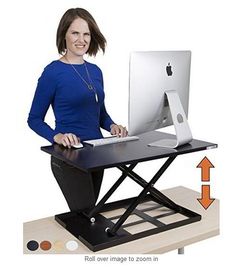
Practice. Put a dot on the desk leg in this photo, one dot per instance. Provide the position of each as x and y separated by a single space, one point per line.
181 250
140 197
157 195
97 208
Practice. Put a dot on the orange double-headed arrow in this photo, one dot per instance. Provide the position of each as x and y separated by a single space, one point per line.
205 165
205 199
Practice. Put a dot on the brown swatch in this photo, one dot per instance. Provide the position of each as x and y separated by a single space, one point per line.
45 245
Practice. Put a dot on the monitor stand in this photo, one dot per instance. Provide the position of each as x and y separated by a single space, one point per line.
183 132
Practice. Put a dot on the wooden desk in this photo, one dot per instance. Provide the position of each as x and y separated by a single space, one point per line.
48 229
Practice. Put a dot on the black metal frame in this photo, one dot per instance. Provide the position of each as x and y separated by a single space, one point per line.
98 232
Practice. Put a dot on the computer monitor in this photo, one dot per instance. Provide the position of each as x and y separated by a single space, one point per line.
159 94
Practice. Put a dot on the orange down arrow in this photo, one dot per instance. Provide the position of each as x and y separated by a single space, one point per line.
205 200
205 165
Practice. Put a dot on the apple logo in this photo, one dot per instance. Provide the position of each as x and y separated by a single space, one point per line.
168 70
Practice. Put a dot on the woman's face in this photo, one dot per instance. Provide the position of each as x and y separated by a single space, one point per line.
78 37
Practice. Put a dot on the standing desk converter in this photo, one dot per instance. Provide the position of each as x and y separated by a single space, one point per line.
98 232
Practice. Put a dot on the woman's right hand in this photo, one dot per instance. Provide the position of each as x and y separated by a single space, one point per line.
67 140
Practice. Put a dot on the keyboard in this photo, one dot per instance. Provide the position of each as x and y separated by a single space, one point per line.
110 140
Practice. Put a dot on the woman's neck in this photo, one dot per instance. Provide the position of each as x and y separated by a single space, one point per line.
72 59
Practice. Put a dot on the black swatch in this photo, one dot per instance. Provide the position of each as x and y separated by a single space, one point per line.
32 245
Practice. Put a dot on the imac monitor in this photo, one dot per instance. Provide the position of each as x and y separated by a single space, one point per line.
159 94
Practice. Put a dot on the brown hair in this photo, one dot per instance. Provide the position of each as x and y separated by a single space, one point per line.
98 41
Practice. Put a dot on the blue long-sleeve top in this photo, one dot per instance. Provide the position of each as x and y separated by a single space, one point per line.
74 105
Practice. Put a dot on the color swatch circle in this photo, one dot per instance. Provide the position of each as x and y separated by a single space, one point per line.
32 245
72 245
45 245
58 245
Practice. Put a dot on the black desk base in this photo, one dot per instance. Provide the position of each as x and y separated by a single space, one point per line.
95 237
98 232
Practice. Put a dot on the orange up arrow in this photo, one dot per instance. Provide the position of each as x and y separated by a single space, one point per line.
205 200
205 165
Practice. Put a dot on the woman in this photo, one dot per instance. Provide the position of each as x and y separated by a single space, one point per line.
74 89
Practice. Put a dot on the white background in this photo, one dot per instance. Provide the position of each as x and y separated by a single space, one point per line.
28 189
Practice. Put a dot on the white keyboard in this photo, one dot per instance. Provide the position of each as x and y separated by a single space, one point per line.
110 140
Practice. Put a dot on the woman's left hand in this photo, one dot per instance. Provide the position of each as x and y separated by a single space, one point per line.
118 130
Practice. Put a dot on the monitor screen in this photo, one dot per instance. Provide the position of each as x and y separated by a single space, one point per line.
151 75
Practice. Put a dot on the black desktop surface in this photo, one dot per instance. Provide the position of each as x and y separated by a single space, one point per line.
93 158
